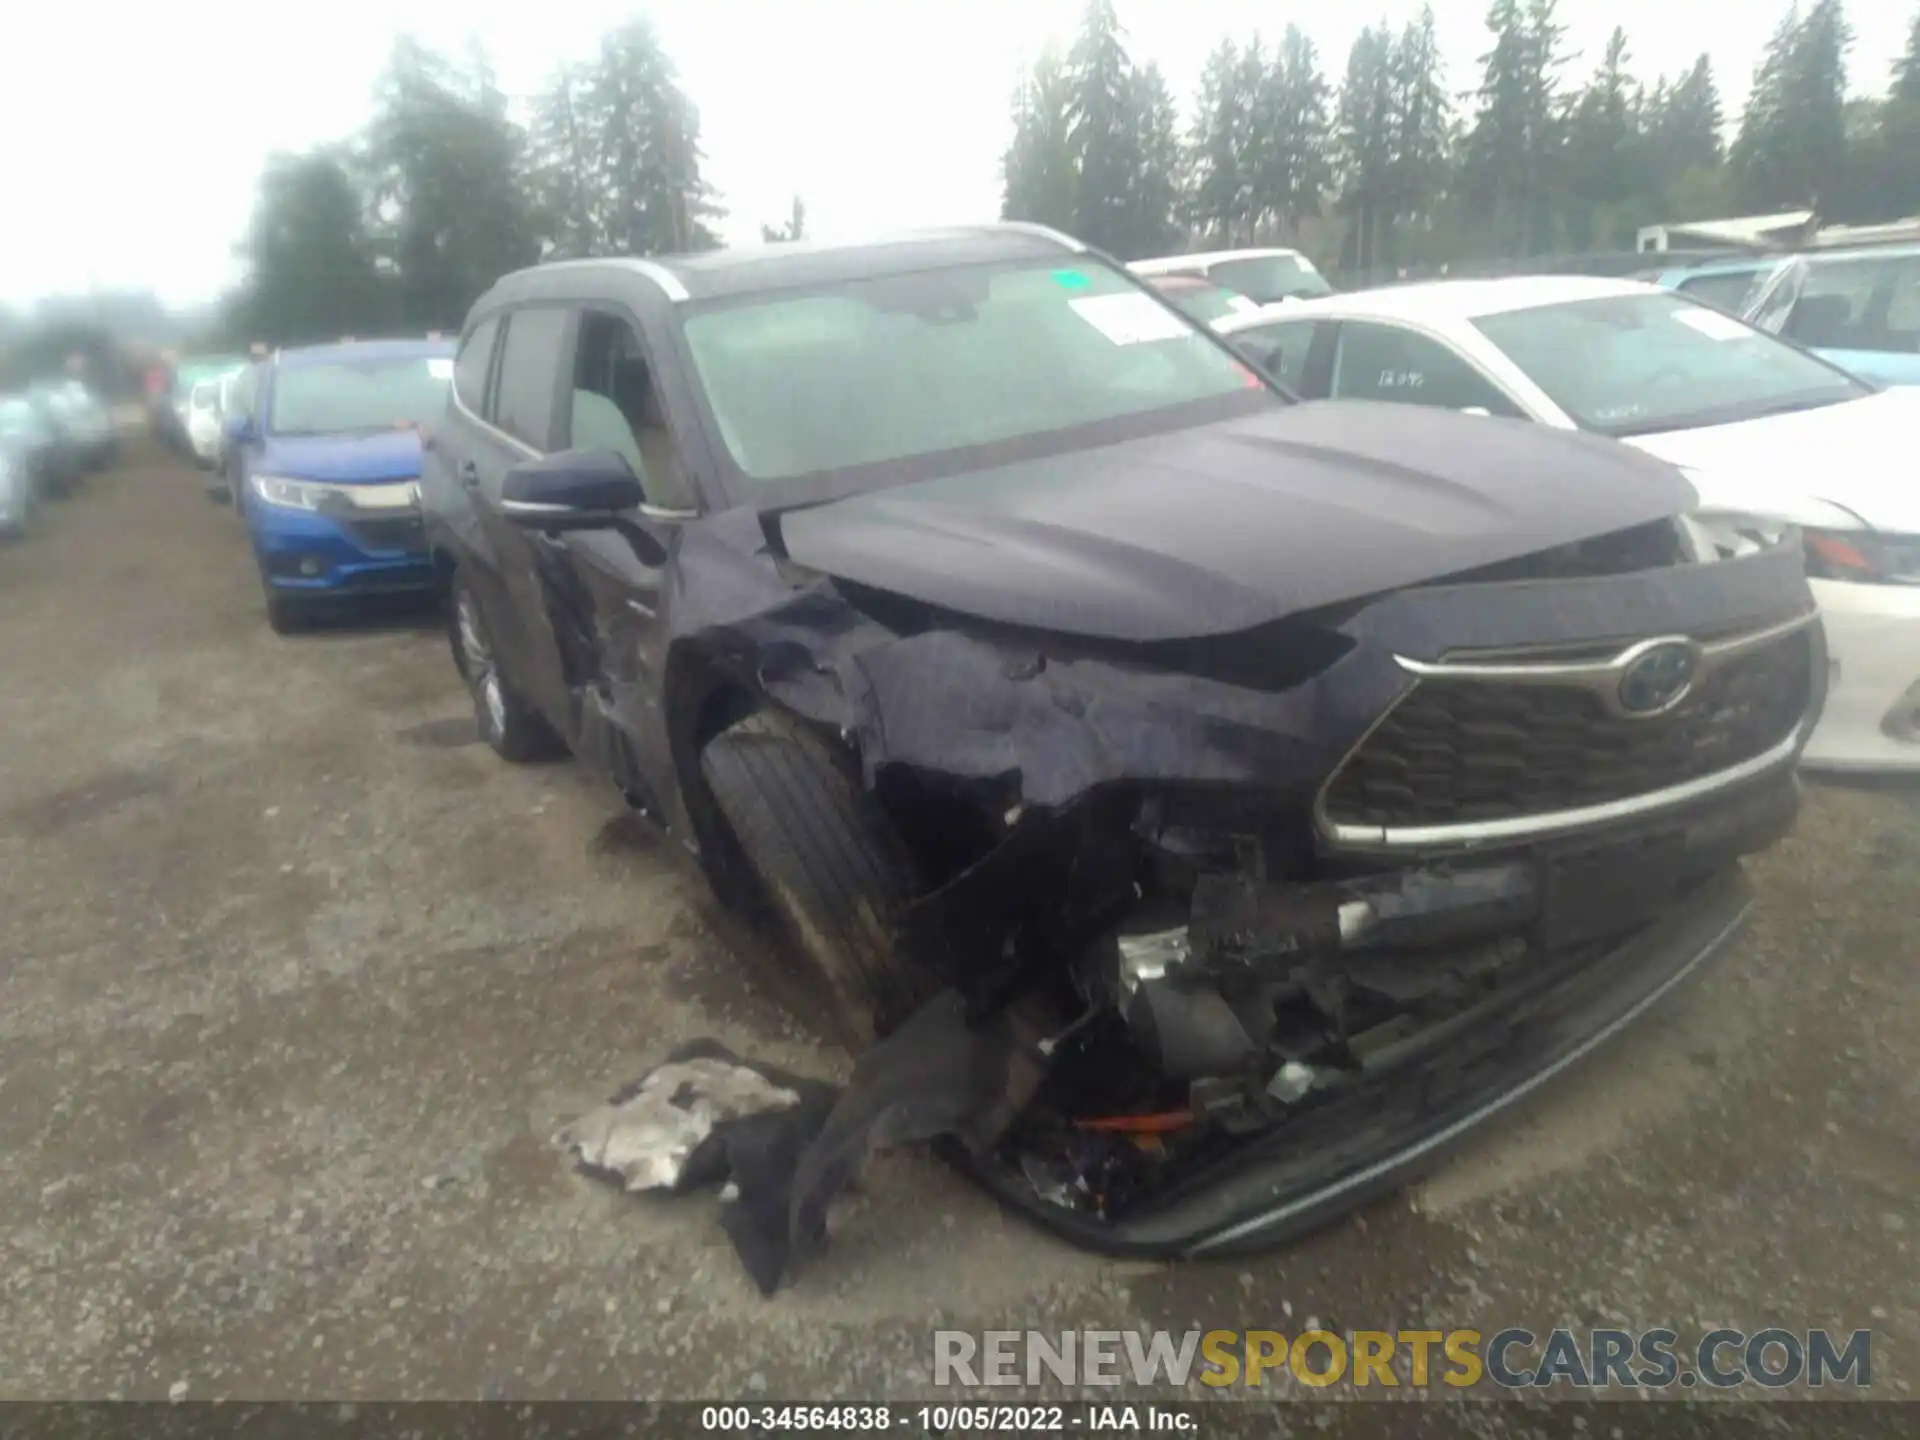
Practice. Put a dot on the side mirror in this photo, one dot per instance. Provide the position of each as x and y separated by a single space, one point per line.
238 428
574 490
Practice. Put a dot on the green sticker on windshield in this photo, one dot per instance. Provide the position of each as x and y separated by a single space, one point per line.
1072 279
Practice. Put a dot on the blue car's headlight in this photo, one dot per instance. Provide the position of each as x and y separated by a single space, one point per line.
292 494
316 495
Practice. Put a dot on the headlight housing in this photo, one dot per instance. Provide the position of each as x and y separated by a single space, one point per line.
1867 557
317 495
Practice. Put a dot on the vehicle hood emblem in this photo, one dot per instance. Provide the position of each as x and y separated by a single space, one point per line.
1658 679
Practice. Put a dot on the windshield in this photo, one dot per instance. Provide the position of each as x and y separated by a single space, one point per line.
1267 278
913 366
1203 301
1638 364
377 392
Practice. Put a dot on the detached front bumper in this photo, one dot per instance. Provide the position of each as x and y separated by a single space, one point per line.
301 552
1872 719
1413 1100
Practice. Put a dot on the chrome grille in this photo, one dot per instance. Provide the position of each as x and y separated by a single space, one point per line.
1464 749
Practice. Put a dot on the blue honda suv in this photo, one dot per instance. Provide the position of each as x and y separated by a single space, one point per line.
327 471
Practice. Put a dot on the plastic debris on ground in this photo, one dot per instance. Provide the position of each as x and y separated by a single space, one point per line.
781 1147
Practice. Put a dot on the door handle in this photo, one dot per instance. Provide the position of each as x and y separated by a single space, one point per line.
469 475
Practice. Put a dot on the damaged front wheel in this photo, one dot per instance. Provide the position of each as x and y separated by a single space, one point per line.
833 872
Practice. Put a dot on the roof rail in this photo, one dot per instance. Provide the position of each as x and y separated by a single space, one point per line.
1042 232
652 269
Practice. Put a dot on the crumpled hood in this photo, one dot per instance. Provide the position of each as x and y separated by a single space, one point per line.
1857 455
343 459
1222 527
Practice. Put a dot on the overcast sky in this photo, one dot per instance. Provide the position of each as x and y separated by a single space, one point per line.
133 137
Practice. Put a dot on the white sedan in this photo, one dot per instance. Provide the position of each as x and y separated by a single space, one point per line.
1767 433
203 421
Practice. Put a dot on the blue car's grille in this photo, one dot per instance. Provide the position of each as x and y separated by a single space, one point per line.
397 533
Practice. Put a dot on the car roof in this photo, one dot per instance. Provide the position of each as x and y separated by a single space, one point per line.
1442 302
1167 264
757 269
355 349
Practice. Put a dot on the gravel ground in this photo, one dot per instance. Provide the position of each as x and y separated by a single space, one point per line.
301 979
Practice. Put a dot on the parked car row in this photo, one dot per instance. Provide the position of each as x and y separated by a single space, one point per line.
173 407
52 434
1296 783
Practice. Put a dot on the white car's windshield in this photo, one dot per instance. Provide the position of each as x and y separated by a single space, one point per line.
374 393
1637 364
911 366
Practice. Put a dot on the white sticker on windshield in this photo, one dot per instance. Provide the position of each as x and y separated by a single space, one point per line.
1712 324
1130 319
440 369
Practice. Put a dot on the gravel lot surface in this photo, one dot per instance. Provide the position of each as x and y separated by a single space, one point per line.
300 979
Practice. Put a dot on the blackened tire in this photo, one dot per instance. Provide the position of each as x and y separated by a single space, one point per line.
512 728
832 872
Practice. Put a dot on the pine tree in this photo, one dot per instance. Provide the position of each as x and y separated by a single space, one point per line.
1157 192
444 166
1038 170
311 272
1502 163
1422 127
1792 146
1292 167
561 163
1897 141
1603 148
1217 150
1364 128
647 147
1906 70
1103 131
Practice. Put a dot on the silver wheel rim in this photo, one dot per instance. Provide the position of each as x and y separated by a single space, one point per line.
481 675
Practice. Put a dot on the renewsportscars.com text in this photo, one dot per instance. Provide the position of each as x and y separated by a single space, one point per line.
1512 1359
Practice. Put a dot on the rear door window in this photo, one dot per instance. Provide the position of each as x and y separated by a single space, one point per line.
1844 305
533 362
1384 362
472 365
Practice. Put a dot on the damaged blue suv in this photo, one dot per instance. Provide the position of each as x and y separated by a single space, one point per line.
327 472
